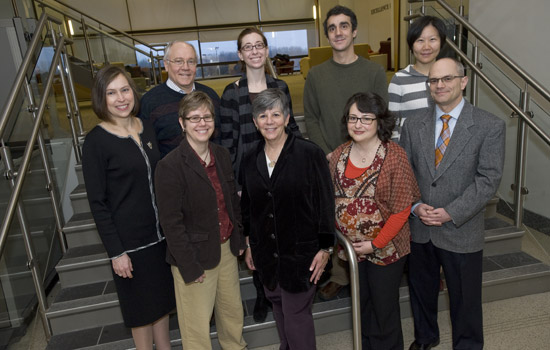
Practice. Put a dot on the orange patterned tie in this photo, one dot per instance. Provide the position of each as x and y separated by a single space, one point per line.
443 139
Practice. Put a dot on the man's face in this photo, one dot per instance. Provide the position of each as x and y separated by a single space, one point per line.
447 95
340 34
183 75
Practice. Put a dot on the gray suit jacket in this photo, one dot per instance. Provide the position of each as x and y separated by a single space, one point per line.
468 176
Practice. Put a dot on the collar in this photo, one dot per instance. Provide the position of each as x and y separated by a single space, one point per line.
455 113
170 83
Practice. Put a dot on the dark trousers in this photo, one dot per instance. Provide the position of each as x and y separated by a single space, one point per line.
380 314
463 278
292 313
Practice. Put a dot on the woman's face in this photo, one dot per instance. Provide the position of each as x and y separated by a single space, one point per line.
426 47
198 132
359 131
271 124
254 58
119 97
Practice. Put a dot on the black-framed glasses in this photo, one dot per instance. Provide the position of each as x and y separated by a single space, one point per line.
197 119
364 120
180 62
446 79
250 47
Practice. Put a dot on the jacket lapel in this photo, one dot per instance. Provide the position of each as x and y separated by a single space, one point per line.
427 140
191 161
460 137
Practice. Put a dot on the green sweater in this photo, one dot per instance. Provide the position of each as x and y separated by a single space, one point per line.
327 89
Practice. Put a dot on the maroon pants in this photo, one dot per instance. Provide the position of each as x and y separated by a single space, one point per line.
292 313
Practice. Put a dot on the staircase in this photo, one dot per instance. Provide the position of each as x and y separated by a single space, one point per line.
85 313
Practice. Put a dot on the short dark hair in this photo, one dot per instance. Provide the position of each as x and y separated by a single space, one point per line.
194 101
269 99
341 10
99 91
369 102
418 26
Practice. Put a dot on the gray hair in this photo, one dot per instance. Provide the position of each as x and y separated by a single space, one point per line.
170 44
270 99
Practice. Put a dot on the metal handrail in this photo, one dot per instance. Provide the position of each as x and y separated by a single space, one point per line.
87 25
17 179
121 32
354 285
501 55
526 117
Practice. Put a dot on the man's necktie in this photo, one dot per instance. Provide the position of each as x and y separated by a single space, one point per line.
443 139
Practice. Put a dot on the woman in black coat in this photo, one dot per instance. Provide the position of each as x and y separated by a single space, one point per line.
288 215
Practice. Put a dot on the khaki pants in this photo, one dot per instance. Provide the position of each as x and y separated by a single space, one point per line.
220 292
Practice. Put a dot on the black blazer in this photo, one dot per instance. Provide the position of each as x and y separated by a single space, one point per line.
188 209
290 216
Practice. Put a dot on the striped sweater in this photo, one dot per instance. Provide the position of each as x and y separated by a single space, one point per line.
408 93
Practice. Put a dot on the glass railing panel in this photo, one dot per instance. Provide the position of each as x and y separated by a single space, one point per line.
536 209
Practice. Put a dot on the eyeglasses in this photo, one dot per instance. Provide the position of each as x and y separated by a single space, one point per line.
197 119
364 120
445 80
180 62
250 47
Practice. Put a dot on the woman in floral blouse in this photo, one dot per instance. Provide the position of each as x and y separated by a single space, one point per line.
374 190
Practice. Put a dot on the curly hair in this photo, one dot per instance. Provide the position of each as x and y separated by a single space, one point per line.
369 102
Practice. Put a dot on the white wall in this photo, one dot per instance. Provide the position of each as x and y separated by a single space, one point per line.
520 29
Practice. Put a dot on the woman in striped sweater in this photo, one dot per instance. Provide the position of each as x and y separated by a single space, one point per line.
408 91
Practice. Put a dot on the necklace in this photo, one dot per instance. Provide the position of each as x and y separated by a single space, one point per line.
272 163
206 155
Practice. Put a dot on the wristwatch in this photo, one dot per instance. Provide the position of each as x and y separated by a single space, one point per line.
329 250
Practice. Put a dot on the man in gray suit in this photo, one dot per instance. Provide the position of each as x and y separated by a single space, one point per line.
457 153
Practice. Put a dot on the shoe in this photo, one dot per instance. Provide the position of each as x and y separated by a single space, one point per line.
330 291
418 346
260 309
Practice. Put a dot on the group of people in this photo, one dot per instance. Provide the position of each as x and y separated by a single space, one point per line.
182 183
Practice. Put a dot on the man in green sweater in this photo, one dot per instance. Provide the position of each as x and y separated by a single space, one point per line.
327 89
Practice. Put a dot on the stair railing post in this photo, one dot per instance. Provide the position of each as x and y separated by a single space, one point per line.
354 285
88 48
32 263
105 57
50 185
460 27
153 69
475 78
61 70
68 88
521 149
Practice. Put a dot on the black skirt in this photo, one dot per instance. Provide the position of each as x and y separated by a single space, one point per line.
149 295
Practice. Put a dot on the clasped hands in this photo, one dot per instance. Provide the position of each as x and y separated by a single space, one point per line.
432 216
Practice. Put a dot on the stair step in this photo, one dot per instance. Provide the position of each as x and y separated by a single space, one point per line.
500 238
79 199
80 231
504 276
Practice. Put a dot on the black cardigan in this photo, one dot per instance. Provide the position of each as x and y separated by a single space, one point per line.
290 216
119 183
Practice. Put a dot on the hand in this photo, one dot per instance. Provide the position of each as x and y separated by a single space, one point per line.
200 279
362 248
123 266
329 156
318 265
435 217
248 259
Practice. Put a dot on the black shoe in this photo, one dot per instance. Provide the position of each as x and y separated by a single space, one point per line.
260 309
418 346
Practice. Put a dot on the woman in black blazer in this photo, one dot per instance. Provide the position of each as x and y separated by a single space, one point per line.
200 215
288 216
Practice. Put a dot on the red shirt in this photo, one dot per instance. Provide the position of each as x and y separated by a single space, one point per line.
226 226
